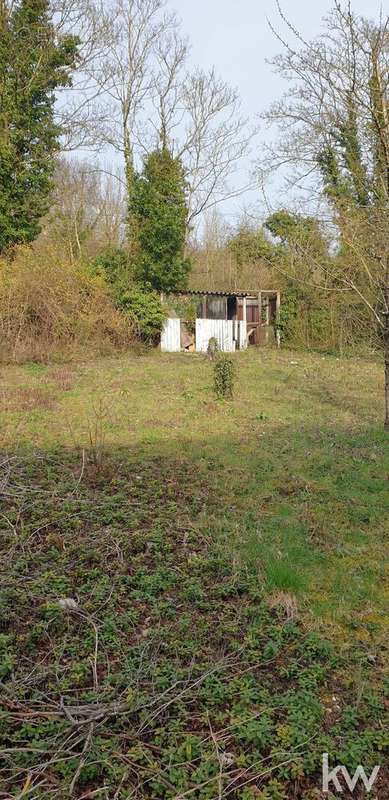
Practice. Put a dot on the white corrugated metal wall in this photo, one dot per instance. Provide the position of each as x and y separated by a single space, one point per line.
171 336
242 335
229 334
221 329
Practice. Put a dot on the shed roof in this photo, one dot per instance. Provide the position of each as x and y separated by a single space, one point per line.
206 293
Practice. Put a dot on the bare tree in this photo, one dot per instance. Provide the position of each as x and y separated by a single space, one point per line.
214 141
334 137
211 264
87 210
124 75
332 104
140 95
79 111
171 54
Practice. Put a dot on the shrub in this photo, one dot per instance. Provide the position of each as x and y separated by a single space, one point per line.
145 311
114 264
52 309
212 348
326 322
224 377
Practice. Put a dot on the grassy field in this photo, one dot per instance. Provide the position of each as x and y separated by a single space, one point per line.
226 567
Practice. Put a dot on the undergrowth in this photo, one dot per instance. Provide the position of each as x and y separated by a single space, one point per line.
140 658
52 309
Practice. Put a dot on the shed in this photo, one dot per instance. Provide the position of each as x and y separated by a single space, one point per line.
235 319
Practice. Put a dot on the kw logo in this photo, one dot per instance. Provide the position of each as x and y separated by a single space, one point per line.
351 782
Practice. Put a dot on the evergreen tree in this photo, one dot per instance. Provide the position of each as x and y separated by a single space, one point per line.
158 214
34 62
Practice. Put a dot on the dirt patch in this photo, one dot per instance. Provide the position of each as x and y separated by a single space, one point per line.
26 398
63 378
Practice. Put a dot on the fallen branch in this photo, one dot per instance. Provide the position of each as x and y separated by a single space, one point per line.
82 761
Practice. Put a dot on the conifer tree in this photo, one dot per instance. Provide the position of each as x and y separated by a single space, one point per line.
34 62
158 216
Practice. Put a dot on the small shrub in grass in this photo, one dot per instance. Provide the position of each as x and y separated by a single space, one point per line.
212 348
224 377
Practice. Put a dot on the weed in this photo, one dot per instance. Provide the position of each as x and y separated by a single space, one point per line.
213 348
97 433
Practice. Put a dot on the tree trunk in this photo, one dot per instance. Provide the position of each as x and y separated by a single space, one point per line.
386 343
129 171
386 350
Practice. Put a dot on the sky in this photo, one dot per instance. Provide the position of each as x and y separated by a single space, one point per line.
234 37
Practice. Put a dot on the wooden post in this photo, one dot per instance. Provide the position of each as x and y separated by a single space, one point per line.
278 307
204 307
259 318
244 317
267 306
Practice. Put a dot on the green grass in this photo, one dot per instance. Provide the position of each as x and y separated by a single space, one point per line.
228 561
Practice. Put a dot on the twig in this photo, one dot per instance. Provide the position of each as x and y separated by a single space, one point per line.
81 473
81 764
220 775
93 792
27 790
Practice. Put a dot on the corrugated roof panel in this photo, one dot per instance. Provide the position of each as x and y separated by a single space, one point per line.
206 293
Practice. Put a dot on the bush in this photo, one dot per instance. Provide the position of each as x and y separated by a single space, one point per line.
145 311
327 323
224 377
114 264
52 309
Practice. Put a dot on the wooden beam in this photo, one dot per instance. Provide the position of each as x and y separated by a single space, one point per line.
278 308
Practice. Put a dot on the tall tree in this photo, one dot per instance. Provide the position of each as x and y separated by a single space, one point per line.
159 212
334 126
144 97
34 62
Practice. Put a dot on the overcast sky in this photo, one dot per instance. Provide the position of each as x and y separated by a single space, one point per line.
233 36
